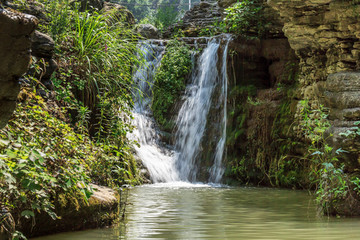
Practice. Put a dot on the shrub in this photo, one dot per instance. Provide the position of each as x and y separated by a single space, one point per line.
41 157
170 80
245 17
336 192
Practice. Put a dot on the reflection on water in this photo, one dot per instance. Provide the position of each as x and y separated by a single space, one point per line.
186 211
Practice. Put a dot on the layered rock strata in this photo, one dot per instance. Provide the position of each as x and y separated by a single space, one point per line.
325 35
201 16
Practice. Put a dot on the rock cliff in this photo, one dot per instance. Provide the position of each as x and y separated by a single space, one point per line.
201 16
325 35
15 31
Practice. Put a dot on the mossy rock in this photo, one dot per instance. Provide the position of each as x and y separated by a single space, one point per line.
103 209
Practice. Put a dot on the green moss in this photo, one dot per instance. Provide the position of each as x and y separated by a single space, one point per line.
238 112
170 81
261 134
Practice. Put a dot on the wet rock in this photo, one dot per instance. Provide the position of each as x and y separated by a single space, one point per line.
15 31
148 31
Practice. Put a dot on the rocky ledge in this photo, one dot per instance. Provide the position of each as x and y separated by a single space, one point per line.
104 208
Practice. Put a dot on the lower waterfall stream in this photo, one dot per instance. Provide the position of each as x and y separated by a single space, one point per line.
158 159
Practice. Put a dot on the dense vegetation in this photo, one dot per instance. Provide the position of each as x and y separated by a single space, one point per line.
170 80
76 133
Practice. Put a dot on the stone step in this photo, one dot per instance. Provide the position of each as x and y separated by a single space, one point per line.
341 100
344 81
348 114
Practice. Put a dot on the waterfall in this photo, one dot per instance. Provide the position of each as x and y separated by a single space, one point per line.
181 164
156 158
192 116
217 170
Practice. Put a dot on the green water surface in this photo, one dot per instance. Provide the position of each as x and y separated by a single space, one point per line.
188 211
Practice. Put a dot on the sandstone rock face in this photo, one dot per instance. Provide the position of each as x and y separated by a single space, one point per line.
148 31
341 93
325 35
15 31
259 71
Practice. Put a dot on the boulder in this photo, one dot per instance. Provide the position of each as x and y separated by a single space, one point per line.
103 208
148 31
118 13
15 31
33 8
42 45
201 16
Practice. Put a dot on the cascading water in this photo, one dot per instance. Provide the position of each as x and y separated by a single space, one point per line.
163 164
157 159
192 116
217 170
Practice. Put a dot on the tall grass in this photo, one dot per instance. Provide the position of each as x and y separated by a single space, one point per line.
96 59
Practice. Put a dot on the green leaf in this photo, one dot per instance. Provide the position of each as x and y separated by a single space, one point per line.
338 151
4 143
317 153
27 213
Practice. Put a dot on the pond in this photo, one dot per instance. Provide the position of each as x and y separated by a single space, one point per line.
199 211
